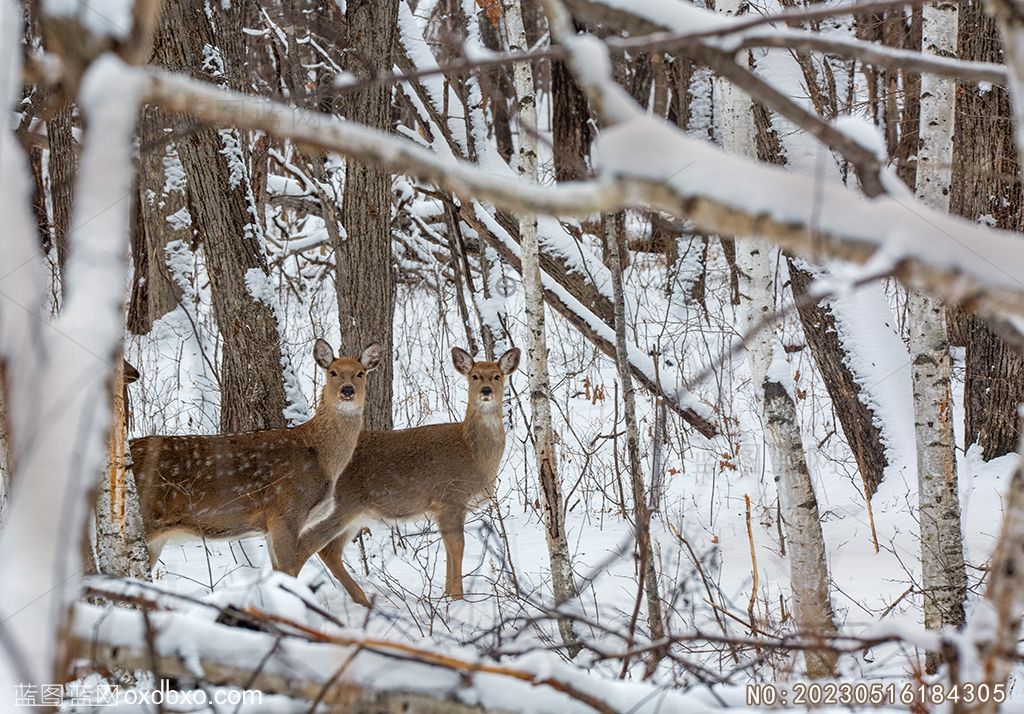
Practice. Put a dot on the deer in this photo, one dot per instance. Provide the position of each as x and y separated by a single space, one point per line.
443 470
265 482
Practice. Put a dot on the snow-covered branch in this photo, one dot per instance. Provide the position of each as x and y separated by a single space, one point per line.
337 668
647 163
62 411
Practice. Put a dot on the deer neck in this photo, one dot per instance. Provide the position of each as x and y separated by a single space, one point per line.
333 434
485 432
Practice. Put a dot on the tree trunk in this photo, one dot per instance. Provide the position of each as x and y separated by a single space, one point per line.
224 214
647 573
812 607
6 465
999 614
154 293
944 579
808 569
858 421
562 580
365 275
571 125
120 541
986 188
62 165
822 329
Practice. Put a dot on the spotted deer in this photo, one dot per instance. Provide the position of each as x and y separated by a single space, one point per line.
257 483
441 469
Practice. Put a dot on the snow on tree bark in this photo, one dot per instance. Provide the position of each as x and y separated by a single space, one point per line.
943 575
562 579
259 390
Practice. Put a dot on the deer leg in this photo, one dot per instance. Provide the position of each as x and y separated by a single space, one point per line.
283 539
314 538
331 555
453 527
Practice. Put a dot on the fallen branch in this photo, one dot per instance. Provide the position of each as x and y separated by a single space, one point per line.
302 665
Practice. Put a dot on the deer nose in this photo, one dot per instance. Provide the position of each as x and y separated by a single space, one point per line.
348 391
486 391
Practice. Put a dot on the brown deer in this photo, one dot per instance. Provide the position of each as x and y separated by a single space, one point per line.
439 469
257 483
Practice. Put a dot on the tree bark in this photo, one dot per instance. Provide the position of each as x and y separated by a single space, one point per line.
365 274
224 214
6 464
647 573
986 187
562 579
571 125
121 549
943 575
812 607
62 165
154 293
999 614
858 421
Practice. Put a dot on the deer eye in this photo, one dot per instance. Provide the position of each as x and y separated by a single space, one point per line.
476 377
333 373
360 374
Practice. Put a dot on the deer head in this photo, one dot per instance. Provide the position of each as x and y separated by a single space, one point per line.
345 388
486 379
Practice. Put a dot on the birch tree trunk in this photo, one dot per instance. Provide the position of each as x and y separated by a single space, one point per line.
812 607
562 580
808 570
943 576
5 446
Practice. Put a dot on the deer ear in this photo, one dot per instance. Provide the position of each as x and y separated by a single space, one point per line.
462 361
509 361
129 374
323 353
370 357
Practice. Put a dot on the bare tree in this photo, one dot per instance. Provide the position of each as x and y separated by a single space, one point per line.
562 579
646 571
812 607
944 579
